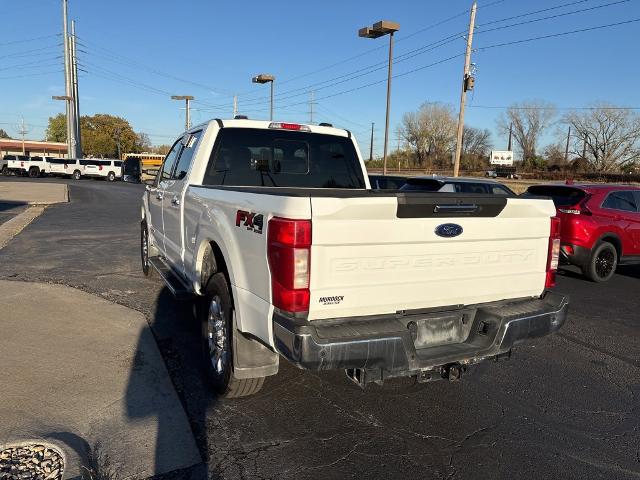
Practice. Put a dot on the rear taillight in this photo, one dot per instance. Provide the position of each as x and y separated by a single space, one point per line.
553 257
289 254
99 167
22 164
579 209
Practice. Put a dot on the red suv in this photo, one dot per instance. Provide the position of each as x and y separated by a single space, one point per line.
600 225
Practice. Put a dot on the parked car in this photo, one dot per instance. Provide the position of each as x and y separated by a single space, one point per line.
504 171
274 232
386 182
456 185
600 225
67 167
34 166
4 169
132 170
15 164
102 168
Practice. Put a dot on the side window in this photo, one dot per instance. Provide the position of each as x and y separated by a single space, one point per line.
498 190
169 162
637 197
623 200
190 144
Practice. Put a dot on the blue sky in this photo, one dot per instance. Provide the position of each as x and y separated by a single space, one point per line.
136 53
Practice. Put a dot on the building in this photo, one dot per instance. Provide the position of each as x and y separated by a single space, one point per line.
32 148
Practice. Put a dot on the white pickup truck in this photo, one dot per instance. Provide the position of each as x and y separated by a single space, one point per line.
273 228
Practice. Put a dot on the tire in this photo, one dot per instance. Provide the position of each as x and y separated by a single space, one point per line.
216 317
76 175
602 263
144 249
34 172
111 177
5 171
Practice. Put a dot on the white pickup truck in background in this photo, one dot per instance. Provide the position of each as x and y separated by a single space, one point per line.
273 228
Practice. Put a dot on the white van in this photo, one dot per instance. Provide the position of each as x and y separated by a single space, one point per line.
68 167
102 167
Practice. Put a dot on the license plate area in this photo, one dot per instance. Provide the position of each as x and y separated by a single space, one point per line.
445 329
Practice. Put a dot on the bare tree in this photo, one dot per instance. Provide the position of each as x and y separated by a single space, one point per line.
430 132
414 135
609 137
530 119
476 141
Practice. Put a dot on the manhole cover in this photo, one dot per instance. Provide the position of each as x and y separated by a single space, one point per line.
31 462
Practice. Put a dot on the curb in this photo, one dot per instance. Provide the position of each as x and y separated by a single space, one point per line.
15 225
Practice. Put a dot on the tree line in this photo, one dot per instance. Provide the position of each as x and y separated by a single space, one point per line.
602 138
103 135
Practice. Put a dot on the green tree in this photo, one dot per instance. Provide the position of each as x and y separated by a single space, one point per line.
4 134
106 135
57 128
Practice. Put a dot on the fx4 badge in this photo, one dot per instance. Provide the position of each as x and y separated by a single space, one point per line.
253 221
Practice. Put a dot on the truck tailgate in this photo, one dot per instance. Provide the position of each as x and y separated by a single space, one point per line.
381 254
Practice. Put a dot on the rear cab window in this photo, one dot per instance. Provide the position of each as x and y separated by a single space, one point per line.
257 157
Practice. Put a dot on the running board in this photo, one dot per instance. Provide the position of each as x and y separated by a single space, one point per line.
173 282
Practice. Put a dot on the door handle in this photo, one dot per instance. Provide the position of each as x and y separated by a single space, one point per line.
159 195
175 201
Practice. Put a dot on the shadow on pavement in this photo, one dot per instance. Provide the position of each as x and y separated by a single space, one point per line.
176 333
10 205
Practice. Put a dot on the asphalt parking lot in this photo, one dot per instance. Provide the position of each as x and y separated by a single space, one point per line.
562 407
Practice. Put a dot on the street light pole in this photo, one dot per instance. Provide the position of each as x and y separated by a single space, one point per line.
187 99
266 78
379 29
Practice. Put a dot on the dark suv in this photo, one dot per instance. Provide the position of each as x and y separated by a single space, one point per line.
600 225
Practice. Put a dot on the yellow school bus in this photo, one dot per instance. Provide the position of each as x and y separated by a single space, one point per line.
149 162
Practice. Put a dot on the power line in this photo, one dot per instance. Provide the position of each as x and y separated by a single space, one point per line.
560 34
421 50
503 44
30 53
500 107
30 39
113 57
558 15
32 74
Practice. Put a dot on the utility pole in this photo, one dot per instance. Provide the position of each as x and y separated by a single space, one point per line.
371 144
566 149
76 97
510 134
187 99
235 105
467 84
67 82
22 130
311 103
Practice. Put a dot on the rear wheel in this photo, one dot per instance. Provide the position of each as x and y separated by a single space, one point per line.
34 172
76 175
216 317
5 171
603 262
144 248
111 177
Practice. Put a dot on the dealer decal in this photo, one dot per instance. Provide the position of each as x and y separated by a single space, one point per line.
252 221
331 300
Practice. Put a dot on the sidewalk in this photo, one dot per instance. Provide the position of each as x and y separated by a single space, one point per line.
33 193
80 372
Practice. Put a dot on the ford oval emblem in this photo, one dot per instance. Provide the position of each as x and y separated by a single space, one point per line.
448 230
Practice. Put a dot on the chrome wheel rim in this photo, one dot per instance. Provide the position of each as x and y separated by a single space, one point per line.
605 263
145 249
217 336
